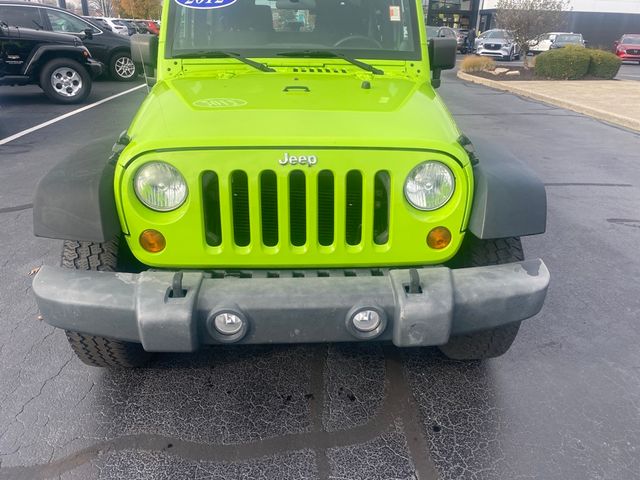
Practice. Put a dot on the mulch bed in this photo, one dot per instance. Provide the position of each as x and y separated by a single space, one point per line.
525 74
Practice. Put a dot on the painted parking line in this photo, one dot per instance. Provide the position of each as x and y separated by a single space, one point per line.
4 141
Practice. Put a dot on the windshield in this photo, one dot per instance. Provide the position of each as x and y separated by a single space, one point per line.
377 29
495 34
569 38
631 40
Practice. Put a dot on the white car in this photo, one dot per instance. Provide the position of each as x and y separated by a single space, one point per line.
116 25
498 44
542 43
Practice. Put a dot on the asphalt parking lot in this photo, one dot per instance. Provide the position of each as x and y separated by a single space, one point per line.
563 403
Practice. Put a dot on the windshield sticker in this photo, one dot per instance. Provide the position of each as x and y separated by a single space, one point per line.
205 3
220 103
394 13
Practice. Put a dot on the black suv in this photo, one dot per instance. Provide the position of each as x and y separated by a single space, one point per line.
60 64
111 49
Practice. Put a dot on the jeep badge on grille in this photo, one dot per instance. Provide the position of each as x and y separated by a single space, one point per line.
308 160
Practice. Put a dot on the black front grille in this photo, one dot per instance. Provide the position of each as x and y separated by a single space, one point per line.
492 46
633 51
336 197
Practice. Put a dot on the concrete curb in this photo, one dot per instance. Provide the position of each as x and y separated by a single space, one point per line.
553 100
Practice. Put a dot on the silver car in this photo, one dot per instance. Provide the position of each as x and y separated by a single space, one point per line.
498 44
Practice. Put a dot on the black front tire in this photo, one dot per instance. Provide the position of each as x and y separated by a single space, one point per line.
122 68
77 88
94 350
491 343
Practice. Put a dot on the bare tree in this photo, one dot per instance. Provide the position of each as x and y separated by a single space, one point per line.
527 19
101 7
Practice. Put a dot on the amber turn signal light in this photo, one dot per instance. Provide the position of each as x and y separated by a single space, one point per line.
152 241
439 238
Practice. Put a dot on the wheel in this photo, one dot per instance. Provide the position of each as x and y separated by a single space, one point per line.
496 341
122 68
91 349
65 81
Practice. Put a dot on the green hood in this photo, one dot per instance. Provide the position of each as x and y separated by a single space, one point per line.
276 109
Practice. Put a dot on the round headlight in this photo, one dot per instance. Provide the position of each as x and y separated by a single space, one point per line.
160 186
429 186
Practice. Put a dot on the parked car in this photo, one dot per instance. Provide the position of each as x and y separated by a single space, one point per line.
441 32
367 189
114 24
461 38
566 39
99 23
133 26
542 43
498 44
153 27
628 47
60 64
113 50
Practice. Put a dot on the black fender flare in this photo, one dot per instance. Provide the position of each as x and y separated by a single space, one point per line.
509 199
75 200
73 52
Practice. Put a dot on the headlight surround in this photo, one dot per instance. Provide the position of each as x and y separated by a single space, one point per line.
429 186
160 186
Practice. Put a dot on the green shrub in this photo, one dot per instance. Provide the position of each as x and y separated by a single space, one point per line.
568 63
603 64
472 63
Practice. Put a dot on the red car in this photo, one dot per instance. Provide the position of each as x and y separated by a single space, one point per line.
153 27
628 47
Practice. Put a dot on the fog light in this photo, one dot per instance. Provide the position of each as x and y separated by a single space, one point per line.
366 320
439 238
228 323
152 241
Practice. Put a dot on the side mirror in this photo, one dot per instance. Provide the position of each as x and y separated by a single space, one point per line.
615 44
442 56
144 51
88 33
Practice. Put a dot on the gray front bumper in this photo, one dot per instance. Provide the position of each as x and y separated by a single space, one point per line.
140 307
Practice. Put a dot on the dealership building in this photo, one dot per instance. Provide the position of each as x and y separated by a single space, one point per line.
601 22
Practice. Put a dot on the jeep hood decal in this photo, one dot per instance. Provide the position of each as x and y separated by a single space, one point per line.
279 110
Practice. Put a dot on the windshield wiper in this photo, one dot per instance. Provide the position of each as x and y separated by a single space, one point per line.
224 53
331 54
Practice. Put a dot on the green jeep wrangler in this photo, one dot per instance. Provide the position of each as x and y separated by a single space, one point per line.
292 177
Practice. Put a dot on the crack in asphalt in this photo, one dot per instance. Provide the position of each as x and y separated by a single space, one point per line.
398 404
587 184
627 222
17 208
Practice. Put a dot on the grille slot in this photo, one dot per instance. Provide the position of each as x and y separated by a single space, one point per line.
381 208
269 207
326 207
353 227
298 208
211 208
240 205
